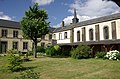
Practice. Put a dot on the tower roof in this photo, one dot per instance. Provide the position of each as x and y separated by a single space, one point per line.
75 19
75 14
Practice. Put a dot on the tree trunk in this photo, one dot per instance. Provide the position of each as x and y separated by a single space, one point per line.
35 49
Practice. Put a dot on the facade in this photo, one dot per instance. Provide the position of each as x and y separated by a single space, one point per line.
101 34
11 37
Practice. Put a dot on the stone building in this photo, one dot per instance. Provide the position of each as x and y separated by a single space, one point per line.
11 37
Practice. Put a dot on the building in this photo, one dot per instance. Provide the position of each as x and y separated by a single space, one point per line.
11 37
101 34
47 40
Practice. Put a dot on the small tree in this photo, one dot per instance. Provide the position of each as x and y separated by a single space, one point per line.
34 25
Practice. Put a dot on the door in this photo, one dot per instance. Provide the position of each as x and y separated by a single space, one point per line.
3 47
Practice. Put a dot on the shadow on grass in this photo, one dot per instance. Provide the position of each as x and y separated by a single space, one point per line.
58 56
25 68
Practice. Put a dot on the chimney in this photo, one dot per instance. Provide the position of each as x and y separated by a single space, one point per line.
63 24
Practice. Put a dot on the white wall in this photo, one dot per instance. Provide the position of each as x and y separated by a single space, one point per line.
118 28
63 40
101 26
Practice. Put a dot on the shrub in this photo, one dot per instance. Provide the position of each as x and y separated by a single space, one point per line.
114 55
29 74
82 51
100 54
29 53
57 47
118 56
40 49
50 51
12 51
15 63
65 53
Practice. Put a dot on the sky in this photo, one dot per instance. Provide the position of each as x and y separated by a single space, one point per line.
58 10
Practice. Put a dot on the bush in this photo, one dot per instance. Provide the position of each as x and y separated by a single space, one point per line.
29 74
82 51
40 49
112 55
118 56
100 54
57 47
15 63
50 51
12 51
65 53
29 53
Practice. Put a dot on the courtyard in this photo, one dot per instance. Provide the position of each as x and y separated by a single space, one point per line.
66 68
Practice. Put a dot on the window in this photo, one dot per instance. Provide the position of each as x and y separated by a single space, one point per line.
91 34
60 36
54 36
83 34
97 32
43 37
25 45
50 36
113 24
15 45
65 35
106 32
4 33
78 35
15 34
42 44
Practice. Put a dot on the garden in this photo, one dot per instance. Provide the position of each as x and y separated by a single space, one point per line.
54 64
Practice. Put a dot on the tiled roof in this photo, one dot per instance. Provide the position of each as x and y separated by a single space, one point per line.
89 22
9 24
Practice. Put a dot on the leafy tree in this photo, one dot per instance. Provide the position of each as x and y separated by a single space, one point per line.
35 25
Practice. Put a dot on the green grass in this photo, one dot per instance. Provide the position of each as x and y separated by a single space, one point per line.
67 68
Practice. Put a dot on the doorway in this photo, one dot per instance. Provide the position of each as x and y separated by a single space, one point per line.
3 47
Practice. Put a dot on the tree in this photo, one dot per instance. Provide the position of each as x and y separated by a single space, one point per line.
34 25
116 1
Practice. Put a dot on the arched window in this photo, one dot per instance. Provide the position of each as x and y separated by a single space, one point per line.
78 35
60 36
106 32
65 35
91 34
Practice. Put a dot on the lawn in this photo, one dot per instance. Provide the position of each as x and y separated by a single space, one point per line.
67 68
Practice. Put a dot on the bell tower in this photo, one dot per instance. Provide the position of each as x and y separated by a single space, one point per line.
75 19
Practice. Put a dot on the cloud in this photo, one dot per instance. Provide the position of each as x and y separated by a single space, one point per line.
94 8
42 2
68 20
89 9
6 17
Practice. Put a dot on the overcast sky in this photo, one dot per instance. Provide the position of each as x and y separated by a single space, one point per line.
58 10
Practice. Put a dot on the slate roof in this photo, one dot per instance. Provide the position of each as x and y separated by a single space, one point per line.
89 22
9 24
